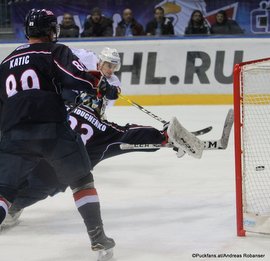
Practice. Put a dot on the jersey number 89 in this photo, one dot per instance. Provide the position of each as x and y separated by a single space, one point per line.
29 80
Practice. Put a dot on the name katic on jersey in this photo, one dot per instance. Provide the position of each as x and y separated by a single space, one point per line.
19 61
90 118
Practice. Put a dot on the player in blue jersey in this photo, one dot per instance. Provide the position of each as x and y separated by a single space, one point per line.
33 120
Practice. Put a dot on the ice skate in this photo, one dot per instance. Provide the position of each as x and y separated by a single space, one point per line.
11 220
101 243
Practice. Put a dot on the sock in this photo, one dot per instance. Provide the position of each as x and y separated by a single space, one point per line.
3 209
87 202
165 137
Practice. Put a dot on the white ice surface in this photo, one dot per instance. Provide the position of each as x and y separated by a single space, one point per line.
157 207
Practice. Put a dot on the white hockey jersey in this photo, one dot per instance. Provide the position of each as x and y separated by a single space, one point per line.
90 60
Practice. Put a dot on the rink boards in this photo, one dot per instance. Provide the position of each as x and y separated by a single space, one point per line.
176 70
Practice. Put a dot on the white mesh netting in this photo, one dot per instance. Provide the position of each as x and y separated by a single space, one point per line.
255 87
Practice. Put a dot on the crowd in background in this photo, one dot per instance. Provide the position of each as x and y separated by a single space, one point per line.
98 25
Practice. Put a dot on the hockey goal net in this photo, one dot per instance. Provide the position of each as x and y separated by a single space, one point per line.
252 146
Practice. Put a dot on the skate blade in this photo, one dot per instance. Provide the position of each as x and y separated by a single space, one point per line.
104 255
6 227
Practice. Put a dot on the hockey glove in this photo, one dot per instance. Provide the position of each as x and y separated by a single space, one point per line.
111 92
86 99
97 76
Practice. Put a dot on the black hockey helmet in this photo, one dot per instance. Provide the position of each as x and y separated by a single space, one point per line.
40 23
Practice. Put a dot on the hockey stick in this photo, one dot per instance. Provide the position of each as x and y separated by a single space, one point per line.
141 108
220 144
72 107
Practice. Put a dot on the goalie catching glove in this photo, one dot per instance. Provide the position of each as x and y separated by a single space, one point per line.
111 92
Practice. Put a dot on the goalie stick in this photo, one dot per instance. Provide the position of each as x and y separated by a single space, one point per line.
220 144
141 108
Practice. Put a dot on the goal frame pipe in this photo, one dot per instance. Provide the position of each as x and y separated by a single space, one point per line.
238 123
238 149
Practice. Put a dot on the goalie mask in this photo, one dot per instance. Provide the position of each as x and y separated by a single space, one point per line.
40 23
110 56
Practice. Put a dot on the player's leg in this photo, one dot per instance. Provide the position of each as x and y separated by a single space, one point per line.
72 166
87 202
138 134
18 157
41 183
107 144
13 172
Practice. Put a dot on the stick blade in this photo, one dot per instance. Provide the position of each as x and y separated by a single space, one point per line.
222 143
227 128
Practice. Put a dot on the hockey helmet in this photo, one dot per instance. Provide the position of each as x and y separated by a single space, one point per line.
110 55
40 23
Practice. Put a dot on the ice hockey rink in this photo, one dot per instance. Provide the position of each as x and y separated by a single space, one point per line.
156 206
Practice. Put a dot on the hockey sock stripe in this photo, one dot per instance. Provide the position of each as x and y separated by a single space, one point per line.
85 200
4 204
85 196
85 192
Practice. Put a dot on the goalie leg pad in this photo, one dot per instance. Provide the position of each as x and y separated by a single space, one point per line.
185 140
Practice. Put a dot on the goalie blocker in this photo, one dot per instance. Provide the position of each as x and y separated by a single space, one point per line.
183 139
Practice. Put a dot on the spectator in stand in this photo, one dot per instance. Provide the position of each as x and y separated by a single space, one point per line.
197 24
97 25
160 25
68 28
128 26
224 25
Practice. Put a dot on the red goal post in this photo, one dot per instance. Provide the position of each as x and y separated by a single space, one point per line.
252 146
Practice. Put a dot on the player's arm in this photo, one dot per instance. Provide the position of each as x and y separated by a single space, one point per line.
70 73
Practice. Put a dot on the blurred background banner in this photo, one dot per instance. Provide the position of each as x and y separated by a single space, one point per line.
143 10
252 16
